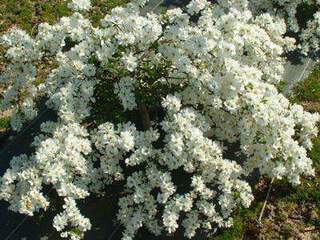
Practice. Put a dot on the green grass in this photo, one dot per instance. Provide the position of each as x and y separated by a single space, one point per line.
242 223
4 123
309 90
28 14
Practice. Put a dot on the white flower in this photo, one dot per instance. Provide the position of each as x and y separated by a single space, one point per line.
195 6
127 140
125 91
80 5
172 103
130 62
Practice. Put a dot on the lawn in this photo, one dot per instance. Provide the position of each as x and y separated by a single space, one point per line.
290 213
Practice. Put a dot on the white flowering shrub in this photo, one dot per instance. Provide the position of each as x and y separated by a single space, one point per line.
302 18
179 108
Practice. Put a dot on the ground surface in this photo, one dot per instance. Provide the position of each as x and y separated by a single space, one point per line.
290 213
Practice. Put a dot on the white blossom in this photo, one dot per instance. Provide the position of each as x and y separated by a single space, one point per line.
80 5
130 62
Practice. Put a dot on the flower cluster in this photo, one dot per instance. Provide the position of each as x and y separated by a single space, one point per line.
80 5
71 216
177 108
302 17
